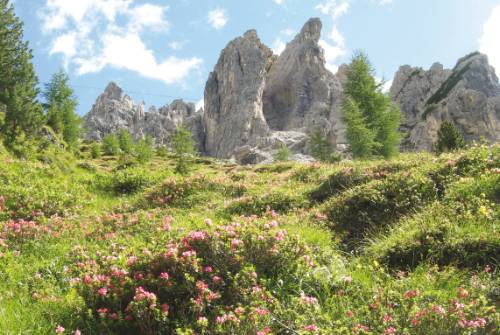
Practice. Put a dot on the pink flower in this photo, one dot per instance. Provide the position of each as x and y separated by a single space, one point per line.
131 260
216 279
103 291
261 311
462 293
164 276
77 332
208 269
386 318
165 308
308 300
350 314
208 222
311 328
438 309
235 243
60 329
411 294
390 330
197 235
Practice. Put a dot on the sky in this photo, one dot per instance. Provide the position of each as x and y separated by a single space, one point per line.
160 50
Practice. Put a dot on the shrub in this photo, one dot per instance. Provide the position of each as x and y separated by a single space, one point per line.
449 138
110 145
126 181
204 282
283 154
125 141
260 204
319 146
95 150
175 192
143 151
183 148
378 203
162 151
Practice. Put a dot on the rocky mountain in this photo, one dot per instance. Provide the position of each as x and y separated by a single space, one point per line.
468 96
256 102
114 111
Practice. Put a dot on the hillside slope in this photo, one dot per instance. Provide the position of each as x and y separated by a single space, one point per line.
408 246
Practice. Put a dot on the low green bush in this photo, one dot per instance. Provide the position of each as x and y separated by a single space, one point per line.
260 204
379 203
183 191
126 181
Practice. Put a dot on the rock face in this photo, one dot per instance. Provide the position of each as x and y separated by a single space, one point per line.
300 92
233 96
468 96
114 111
256 102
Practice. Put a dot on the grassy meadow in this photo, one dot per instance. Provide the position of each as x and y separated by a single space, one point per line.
109 246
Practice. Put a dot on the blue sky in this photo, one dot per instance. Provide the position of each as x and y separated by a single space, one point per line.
158 50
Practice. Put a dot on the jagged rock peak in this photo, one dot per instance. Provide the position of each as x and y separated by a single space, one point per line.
113 91
468 96
311 31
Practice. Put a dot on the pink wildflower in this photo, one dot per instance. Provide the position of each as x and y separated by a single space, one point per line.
390 330
60 329
103 291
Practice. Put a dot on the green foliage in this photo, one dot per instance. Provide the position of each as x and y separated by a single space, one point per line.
126 181
60 105
125 141
144 151
449 138
111 145
319 146
361 139
283 154
18 83
372 119
95 150
162 151
370 207
183 149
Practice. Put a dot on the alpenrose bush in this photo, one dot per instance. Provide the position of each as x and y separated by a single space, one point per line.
217 281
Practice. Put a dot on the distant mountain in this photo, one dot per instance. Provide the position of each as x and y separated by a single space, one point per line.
255 102
468 96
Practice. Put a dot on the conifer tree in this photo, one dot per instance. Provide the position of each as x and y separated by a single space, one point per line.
183 147
449 138
126 141
372 119
60 105
18 82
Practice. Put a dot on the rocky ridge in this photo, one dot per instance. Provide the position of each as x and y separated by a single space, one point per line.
257 101
114 111
468 96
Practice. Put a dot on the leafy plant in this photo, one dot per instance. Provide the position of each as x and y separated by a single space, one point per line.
111 145
449 138
183 149
283 154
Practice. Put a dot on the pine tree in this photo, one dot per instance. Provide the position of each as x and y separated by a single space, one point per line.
372 119
126 141
183 148
110 145
18 82
319 146
60 105
449 138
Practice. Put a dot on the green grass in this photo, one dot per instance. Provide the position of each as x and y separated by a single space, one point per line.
362 237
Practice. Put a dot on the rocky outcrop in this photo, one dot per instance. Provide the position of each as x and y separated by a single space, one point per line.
114 111
468 96
301 94
233 96
256 102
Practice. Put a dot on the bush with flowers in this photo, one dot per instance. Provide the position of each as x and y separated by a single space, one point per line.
216 281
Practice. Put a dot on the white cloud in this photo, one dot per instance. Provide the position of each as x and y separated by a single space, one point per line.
94 34
200 104
334 44
287 32
334 8
279 2
177 45
278 46
218 18
489 43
